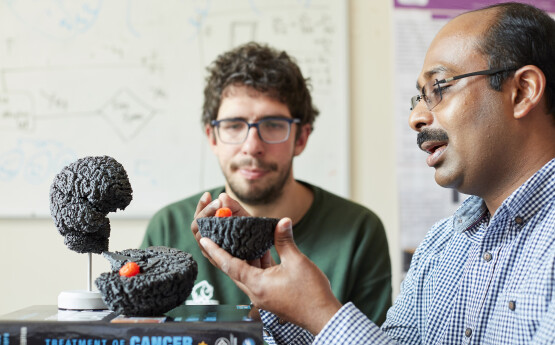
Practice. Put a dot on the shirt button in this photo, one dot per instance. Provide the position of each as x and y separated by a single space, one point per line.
487 256
512 305
468 332
519 220
282 322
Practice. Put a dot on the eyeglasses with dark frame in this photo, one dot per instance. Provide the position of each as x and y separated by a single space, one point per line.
436 95
271 130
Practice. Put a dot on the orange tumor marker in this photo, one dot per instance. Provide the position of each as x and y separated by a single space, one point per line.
130 269
223 212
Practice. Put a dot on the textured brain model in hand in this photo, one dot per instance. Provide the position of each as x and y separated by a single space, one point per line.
246 238
81 197
147 282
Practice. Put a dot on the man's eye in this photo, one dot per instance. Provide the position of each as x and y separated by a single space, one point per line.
443 88
438 89
274 124
233 126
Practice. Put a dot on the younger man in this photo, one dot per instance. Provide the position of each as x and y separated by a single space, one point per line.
258 115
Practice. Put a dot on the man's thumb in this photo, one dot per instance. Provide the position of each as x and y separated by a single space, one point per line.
283 238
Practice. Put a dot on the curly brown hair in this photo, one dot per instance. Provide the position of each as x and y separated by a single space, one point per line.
266 70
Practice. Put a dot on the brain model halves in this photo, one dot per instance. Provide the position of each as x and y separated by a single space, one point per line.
81 196
147 282
246 238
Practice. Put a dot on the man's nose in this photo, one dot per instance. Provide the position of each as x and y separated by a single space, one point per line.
420 117
253 144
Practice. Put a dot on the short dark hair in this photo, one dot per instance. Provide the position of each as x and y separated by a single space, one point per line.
521 35
266 70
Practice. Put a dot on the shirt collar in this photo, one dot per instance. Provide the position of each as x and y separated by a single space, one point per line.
470 213
524 202
533 194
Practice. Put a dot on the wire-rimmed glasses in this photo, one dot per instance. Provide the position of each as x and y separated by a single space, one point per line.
432 92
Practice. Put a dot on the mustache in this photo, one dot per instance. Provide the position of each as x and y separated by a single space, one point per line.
431 135
254 163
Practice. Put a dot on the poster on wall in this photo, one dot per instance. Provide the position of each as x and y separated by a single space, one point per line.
422 201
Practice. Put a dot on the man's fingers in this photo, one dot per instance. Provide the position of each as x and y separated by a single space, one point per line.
201 211
210 209
255 263
220 257
233 205
205 199
266 260
263 262
283 239
236 269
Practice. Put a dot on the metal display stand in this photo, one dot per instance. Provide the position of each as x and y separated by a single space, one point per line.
82 299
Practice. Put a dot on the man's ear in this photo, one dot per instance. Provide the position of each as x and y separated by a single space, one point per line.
210 136
301 141
528 89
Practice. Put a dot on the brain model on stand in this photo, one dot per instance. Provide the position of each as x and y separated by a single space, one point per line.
81 197
142 282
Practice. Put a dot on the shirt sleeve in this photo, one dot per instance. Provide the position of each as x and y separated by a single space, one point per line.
350 326
281 333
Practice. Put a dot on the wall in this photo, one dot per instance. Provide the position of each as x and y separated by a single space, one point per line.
36 265
373 139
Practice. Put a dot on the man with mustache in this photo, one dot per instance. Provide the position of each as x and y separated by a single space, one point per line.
258 115
485 114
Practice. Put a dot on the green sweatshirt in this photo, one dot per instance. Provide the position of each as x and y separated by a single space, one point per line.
345 240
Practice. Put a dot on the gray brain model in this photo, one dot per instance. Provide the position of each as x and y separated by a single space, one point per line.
246 238
81 196
165 281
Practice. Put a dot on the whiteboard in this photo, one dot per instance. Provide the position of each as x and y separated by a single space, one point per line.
125 79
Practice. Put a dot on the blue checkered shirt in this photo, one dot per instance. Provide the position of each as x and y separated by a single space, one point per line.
475 279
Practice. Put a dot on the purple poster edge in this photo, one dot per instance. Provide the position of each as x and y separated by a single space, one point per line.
456 5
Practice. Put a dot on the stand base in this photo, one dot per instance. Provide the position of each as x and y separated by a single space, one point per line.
80 300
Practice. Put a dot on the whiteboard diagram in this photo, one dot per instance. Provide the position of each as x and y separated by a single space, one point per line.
126 78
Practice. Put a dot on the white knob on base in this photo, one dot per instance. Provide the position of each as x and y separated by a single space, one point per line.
80 300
